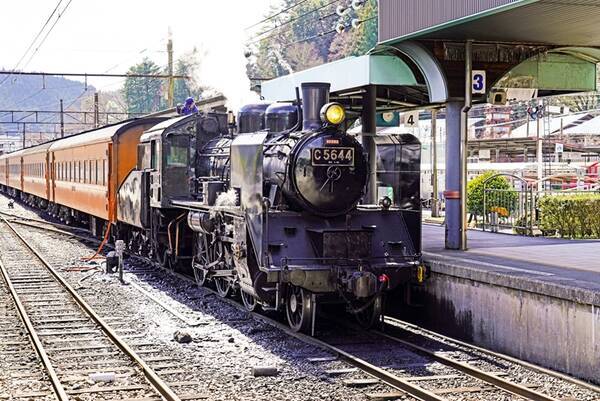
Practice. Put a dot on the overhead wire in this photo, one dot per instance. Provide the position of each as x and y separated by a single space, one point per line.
33 42
60 14
325 33
289 21
276 14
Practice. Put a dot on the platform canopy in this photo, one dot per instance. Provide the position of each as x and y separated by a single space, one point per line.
397 86
555 22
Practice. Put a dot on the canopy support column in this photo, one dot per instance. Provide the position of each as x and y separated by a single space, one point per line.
369 128
453 170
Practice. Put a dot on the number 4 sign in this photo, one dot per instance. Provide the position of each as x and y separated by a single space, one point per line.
411 119
478 85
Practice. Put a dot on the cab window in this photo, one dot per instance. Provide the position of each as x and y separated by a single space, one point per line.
177 151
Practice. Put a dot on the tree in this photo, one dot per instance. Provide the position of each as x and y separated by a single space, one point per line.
304 37
188 64
475 193
301 56
143 95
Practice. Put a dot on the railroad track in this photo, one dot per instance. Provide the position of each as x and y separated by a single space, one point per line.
388 367
77 352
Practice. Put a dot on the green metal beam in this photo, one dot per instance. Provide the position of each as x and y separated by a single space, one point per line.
552 71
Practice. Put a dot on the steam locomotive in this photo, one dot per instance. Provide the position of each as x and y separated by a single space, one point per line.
271 206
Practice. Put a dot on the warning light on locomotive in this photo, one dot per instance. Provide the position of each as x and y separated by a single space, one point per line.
333 113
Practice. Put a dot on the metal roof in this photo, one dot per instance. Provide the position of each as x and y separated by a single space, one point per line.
564 22
349 75
100 135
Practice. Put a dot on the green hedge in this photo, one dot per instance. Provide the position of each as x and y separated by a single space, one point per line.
499 183
571 216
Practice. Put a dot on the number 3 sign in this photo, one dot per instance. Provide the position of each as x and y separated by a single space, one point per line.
478 85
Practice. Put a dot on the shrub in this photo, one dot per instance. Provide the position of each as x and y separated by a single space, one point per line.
571 216
475 193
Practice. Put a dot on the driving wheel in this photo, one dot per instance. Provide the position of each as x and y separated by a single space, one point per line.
298 308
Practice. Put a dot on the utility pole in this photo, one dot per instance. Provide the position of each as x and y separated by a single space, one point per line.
434 172
24 135
96 113
62 120
539 151
171 91
464 142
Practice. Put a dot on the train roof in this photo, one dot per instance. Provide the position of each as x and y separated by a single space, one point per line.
34 149
100 135
158 129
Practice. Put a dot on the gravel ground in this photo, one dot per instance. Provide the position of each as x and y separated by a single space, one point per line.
550 385
226 342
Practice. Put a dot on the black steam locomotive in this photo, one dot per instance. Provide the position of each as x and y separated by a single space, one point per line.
274 208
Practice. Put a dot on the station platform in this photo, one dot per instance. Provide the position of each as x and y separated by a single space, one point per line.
556 267
537 299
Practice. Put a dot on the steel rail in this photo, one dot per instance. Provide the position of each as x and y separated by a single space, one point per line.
149 373
402 325
374 371
59 390
391 380
472 371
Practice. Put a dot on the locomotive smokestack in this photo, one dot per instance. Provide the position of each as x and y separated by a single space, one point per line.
314 96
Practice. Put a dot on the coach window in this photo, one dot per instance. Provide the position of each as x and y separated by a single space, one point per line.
177 151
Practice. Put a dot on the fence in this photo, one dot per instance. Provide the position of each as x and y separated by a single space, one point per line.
515 211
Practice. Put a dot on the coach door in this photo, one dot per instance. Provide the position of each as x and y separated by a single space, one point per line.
52 176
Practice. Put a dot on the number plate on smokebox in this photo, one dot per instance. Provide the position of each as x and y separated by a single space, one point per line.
332 156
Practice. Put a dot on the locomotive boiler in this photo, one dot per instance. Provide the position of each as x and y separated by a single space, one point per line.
276 210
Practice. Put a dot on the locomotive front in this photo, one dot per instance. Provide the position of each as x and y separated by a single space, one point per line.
288 228
320 170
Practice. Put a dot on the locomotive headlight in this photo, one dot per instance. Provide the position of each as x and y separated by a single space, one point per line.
333 113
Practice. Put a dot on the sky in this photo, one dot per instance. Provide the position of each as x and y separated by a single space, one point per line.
111 35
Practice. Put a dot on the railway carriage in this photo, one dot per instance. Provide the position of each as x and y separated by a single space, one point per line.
88 168
36 185
3 171
15 178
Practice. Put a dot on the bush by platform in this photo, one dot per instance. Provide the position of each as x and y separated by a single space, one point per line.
571 216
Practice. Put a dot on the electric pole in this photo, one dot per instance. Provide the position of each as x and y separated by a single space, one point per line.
24 135
62 120
171 91
96 113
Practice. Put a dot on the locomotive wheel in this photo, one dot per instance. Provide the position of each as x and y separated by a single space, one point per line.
249 301
298 309
223 287
200 276
370 314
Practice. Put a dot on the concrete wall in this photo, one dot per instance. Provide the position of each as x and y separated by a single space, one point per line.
553 332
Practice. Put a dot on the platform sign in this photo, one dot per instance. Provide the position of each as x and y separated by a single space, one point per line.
411 119
478 82
559 148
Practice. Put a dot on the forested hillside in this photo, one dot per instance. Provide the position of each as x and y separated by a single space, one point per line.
39 93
